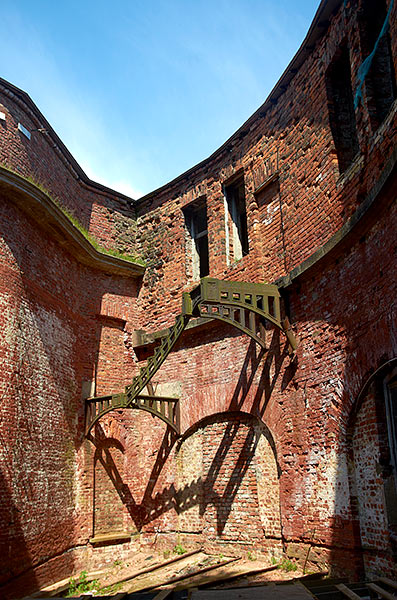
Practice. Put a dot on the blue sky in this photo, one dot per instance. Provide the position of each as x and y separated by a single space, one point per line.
140 91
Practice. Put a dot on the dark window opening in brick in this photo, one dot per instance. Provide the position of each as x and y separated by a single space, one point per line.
341 109
391 412
196 224
380 82
236 220
390 479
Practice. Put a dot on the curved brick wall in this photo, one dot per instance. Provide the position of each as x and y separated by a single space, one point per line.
265 439
302 210
54 322
108 215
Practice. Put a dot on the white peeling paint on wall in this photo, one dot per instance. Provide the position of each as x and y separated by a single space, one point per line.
325 486
32 415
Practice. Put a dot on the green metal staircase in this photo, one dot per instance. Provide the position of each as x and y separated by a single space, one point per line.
246 306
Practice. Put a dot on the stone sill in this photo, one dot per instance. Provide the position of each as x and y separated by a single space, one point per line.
114 537
39 206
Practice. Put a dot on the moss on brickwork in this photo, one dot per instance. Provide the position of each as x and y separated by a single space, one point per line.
124 226
279 456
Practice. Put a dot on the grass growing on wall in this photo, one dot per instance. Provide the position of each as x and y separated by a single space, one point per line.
90 238
76 223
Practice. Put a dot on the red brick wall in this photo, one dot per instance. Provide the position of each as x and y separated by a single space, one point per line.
107 215
64 324
51 343
228 489
338 312
369 490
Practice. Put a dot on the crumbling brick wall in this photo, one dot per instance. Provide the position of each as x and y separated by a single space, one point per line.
325 232
107 215
51 344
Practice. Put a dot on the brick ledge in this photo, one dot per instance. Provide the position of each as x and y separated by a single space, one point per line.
113 537
39 206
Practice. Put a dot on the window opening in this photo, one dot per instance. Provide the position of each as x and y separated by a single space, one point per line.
266 193
196 224
390 481
391 412
341 110
380 82
236 219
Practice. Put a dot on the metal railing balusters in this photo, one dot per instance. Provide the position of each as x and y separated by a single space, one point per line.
246 306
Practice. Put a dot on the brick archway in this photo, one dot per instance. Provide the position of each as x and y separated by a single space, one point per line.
228 487
372 474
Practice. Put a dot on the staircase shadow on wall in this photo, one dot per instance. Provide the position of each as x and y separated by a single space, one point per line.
202 491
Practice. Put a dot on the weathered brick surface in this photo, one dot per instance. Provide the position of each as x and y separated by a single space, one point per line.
108 215
311 201
276 453
228 486
368 482
52 340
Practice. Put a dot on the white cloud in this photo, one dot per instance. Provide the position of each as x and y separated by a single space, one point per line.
119 185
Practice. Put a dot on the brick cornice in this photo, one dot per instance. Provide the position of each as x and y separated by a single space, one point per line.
40 207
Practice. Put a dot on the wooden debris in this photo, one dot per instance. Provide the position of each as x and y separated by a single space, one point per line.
158 566
347 592
203 580
389 582
185 576
299 584
263 592
163 594
60 586
243 571
380 591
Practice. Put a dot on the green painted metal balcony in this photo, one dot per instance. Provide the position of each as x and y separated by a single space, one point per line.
245 306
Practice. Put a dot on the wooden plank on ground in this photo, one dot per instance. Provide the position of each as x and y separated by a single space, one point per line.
347 592
380 591
163 594
301 585
234 573
173 579
158 566
387 581
263 592
62 585
42 598
119 596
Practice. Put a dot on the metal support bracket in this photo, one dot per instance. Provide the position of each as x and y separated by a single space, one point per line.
246 306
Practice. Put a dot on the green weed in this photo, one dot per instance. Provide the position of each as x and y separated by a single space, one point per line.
179 549
81 585
288 565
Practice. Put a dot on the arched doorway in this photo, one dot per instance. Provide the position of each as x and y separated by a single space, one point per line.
373 431
228 485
